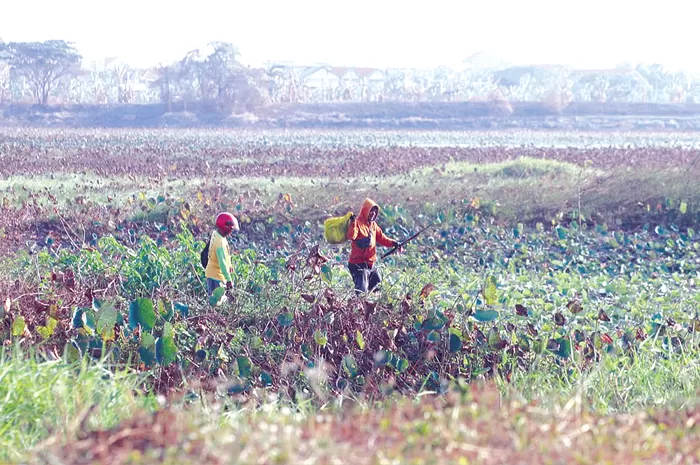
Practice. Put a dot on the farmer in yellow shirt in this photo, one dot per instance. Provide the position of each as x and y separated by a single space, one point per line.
219 269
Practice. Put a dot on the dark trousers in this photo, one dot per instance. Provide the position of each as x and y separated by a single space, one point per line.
366 279
212 284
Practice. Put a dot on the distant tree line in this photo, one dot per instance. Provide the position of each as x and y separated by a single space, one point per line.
51 71
214 79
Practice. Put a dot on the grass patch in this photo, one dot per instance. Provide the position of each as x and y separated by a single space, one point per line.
476 426
41 397
618 384
66 187
629 192
532 168
524 190
522 167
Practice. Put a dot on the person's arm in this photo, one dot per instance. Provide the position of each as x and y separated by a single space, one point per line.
382 239
223 266
353 230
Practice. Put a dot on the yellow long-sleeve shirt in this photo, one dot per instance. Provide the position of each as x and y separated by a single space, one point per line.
219 265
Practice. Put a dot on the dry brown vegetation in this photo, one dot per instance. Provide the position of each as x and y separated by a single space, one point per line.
478 426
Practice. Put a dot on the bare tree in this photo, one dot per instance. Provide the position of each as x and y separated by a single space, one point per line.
190 77
121 75
4 71
43 64
218 79
164 83
97 84
395 85
4 78
280 80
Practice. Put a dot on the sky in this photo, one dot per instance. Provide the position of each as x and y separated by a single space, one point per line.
369 33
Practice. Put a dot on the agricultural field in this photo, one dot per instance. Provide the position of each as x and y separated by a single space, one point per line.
550 314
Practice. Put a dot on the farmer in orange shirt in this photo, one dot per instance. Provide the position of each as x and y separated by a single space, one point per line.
364 234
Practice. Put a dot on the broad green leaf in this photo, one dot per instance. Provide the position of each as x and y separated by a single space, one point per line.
166 351
71 352
51 324
320 338
434 336
78 318
89 321
402 365
359 339
256 342
597 341
684 207
265 379
245 367
524 342
141 312
18 326
436 321
285 319
493 338
168 331
306 351
166 309
47 331
455 343
350 366
490 293
217 297
327 273
564 350
561 232
148 341
382 357
106 319
82 340
222 354
238 387
485 315
147 355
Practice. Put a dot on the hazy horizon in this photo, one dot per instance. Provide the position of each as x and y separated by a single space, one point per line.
591 34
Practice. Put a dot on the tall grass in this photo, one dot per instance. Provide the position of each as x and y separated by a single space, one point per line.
49 399
617 384
478 426
40 397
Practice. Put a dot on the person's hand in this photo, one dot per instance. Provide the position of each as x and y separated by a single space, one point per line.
229 285
398 247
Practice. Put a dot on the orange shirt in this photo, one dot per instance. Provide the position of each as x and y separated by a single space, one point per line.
369 234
